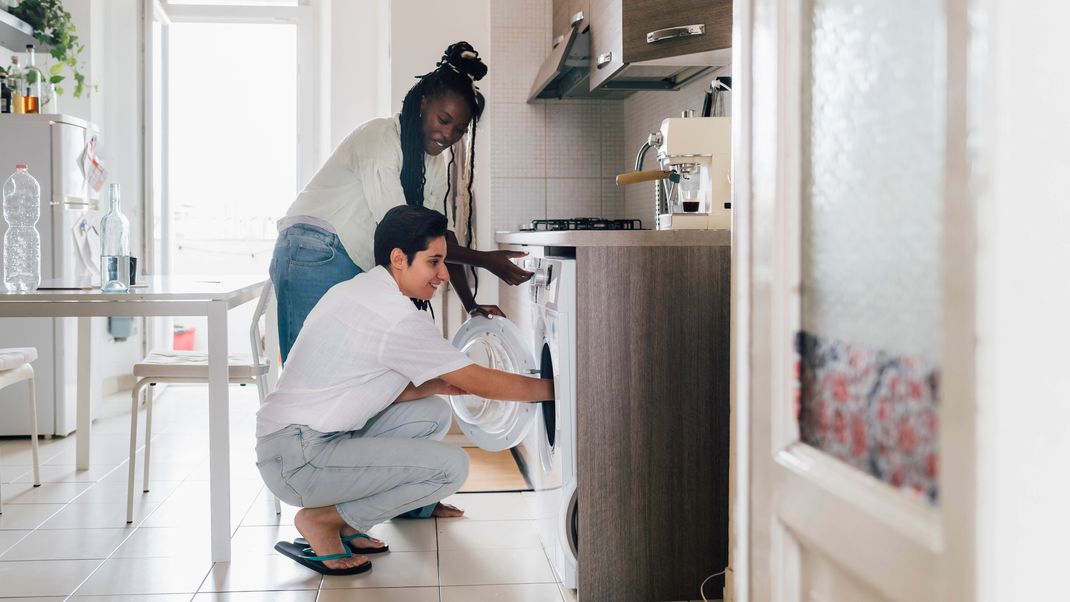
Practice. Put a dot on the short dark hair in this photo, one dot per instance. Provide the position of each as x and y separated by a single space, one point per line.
408 228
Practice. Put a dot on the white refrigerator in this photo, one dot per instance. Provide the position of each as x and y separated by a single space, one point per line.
52 147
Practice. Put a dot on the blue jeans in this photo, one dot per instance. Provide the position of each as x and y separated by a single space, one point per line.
396 463
307 262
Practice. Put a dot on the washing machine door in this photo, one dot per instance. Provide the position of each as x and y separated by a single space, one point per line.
491 424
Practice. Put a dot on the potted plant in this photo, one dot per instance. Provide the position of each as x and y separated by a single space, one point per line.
53 26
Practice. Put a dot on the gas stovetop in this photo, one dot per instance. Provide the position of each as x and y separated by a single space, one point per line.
584 223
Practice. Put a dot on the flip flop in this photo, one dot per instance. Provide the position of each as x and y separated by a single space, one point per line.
306 557
301 541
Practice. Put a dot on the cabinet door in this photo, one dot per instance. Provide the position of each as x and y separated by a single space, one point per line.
560 21
643 18
607 51
579 14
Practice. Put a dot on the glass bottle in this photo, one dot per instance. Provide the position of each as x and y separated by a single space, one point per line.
5 95
33 83
114 247
14 79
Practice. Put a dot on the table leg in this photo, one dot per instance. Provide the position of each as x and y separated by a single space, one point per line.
219 431
84 410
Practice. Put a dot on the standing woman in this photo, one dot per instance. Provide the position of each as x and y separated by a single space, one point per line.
327 234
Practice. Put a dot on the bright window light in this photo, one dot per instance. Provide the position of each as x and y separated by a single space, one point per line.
233 155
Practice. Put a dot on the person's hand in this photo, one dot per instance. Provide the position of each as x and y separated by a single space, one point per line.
437 386
499 264
486 311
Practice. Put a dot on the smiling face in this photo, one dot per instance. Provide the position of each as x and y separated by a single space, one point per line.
445 119
421 278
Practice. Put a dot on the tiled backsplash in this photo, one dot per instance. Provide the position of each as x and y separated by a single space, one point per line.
559 158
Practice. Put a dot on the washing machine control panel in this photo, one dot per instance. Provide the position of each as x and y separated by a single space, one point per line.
543 286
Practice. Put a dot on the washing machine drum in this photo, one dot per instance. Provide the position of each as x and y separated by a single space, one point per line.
492 424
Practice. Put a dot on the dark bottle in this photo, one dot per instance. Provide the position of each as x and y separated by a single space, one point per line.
5 95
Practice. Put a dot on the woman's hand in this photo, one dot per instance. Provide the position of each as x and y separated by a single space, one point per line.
486 311
499 264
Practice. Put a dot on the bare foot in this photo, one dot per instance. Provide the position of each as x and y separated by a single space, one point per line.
361 543
446 511
320 526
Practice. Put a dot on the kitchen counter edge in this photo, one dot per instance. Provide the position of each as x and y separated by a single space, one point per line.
617 238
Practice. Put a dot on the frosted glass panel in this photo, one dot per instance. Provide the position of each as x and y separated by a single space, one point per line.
871 239
873 204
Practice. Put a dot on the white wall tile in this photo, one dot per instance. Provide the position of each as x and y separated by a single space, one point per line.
517 201
518 141
574 147
573 197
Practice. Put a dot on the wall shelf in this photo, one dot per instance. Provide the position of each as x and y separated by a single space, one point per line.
15 33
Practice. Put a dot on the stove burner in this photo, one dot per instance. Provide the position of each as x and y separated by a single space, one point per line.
585 223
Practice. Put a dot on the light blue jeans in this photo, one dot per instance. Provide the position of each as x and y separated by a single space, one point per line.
306 263
393 465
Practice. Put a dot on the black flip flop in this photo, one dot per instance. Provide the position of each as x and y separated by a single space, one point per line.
301 541
306 557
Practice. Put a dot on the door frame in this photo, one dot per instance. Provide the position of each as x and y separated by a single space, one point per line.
767 464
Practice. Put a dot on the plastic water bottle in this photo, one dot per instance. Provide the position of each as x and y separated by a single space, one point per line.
22 242
114 247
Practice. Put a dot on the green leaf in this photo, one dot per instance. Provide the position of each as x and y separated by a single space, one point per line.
55 69
55 79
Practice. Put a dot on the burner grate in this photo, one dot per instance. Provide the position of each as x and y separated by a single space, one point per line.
586 223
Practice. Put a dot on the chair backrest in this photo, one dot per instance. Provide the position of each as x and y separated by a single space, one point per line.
265 340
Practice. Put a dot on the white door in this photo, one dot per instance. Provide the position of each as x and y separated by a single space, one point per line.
495 343
853 335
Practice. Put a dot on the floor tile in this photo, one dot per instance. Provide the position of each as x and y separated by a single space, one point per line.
106 492
260 541
35 578
47 493
260 596
167 542
10 538
98 516
528 592
393 569
68 473
245 573
407 535
27 516
493 506
147 576
36 599
134 598
67 544
463 534
494 567
390 594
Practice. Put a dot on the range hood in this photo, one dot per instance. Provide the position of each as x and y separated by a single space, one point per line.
565 73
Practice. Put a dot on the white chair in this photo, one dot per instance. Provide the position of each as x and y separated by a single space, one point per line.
192 367
15 367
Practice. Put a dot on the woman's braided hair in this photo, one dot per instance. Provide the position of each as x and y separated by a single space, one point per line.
457 72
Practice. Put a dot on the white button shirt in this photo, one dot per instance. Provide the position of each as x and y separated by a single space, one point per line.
360 182
358 349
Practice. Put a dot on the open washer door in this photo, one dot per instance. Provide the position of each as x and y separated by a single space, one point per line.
494 343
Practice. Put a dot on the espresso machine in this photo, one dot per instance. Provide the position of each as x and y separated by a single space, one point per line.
693 188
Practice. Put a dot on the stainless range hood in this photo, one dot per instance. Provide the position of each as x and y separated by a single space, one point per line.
565 73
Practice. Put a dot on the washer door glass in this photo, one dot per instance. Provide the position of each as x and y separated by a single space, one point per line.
491 424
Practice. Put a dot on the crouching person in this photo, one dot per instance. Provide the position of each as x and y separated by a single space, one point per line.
352 433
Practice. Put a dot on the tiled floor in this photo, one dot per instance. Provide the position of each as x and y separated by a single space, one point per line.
68 539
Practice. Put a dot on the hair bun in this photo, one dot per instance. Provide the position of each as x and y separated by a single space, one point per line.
462 57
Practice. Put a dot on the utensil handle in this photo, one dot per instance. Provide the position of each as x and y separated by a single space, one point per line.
635 177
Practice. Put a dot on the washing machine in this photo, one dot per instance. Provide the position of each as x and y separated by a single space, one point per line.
541 345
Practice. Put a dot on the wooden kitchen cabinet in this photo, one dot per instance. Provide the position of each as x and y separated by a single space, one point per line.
569 13
559 21
620 29
652 408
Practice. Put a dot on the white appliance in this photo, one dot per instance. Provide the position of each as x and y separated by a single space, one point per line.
52 147
542 344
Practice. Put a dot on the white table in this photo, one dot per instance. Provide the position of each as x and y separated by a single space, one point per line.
164 296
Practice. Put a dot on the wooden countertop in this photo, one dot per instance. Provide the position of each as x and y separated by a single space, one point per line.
618 238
